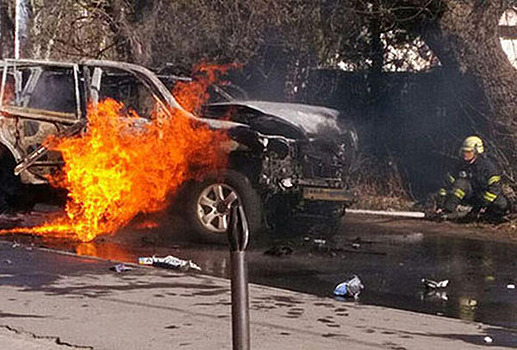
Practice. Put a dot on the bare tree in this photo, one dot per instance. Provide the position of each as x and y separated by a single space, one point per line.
465 36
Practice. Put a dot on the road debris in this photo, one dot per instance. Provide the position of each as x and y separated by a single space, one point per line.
510 286
434 294
120 268
430 284
349 288
169 262
8 262
279 250
319 242
15 245
488 340
470 303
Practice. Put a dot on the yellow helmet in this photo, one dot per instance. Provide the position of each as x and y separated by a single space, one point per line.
473 143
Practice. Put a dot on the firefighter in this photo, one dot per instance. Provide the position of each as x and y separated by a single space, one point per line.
476 183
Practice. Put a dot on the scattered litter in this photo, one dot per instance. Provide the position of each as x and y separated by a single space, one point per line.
471 303
430 284
8 262
279 251
306 238
15 245
146 261
169 262
119 268
356 245
434 294
510 286
488 340
319 241
349 288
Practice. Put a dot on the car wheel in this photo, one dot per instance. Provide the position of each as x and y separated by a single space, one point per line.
209 202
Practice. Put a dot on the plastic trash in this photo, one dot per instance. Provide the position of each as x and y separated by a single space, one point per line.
119 268
488 340
349 288
434 294
430 284
510 286
169 262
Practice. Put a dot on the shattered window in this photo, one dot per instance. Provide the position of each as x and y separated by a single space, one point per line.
128 89
54 91
50 89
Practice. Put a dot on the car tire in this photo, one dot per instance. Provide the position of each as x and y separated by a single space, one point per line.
208 202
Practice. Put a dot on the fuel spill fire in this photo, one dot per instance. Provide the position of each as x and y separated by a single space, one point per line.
120 167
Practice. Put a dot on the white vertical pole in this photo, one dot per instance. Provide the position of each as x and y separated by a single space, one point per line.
21 26
1 33
17 25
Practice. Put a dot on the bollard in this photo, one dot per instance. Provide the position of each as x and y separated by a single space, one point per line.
238 235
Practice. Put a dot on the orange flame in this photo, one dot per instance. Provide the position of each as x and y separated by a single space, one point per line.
191 95
119 168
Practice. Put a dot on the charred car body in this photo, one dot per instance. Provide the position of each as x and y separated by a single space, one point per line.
287 160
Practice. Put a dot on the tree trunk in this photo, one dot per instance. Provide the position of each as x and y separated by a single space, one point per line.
134 25
466 36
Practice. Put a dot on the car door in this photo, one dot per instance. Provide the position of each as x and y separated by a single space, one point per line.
39 100
125 87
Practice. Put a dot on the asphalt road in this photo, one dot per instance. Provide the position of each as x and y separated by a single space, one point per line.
52 301
390 256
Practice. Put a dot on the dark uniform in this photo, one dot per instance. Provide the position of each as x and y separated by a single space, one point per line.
477 184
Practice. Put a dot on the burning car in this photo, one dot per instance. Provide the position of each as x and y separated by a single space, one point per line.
285 160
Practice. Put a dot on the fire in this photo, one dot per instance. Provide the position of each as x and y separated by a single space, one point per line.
120 167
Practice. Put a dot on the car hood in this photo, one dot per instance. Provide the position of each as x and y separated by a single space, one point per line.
312 120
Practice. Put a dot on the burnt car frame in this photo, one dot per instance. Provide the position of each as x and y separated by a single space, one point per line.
287 160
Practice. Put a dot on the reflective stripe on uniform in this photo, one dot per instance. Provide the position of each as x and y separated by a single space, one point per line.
494 179
459 193
489 196
443 192
451 179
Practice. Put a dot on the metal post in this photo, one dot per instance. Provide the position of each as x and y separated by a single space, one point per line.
238 236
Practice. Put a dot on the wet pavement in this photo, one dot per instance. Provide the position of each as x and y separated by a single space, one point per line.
390 262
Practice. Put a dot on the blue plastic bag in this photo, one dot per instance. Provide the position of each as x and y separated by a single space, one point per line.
350 288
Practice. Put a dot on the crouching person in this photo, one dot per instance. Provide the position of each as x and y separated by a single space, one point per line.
476 183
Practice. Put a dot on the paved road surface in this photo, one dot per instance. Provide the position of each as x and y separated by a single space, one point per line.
56 301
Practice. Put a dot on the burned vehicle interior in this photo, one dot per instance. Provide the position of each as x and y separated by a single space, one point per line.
291 159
